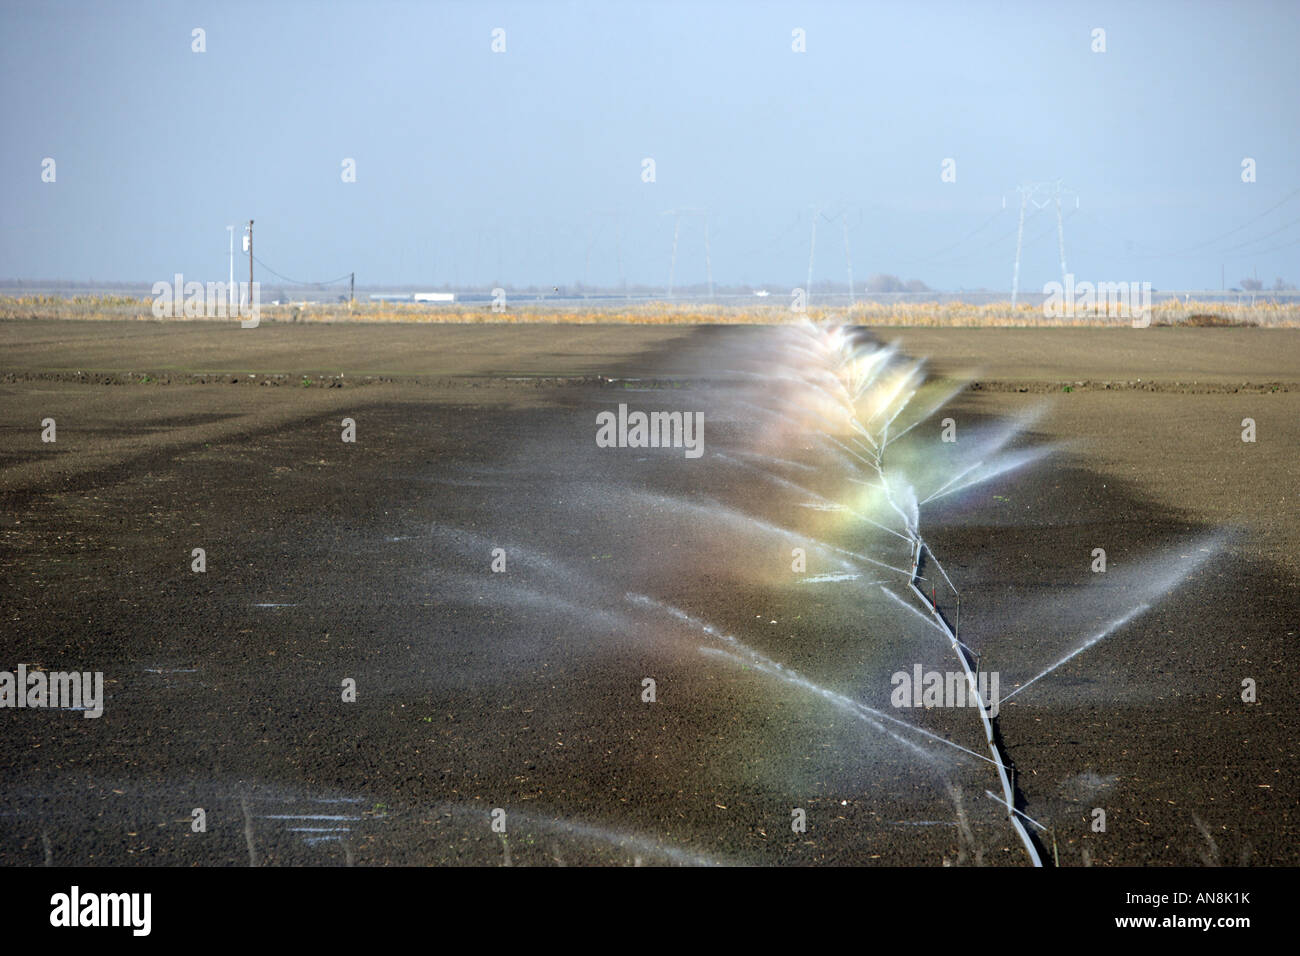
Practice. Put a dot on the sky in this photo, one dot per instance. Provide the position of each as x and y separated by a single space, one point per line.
522 167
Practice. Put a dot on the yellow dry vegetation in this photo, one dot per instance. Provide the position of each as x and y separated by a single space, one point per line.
1268 314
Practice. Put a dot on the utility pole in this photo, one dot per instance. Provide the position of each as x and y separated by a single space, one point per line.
708 260
672 266
812 247
848 262
586 269
250 261
1060 235
677 215
230 287
352 290
1020 238
618 252
595 222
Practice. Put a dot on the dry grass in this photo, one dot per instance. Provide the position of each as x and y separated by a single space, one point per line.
923 314
1203 320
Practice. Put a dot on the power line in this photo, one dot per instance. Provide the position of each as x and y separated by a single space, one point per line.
297 281
952 245
765 246
1260 252
1285 199
968 257
1251 242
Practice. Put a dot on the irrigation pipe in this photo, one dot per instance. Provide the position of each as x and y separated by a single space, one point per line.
919 549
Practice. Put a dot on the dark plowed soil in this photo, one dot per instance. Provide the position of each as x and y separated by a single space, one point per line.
329 561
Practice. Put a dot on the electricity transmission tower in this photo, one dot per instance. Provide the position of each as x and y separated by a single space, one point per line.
594 222
677 215
812 248
848 262
1029 193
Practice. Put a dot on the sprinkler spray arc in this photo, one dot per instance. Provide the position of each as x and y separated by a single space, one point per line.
856 381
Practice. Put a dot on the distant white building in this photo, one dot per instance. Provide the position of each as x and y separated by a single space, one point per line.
417 297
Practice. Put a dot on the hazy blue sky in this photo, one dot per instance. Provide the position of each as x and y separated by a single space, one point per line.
479 167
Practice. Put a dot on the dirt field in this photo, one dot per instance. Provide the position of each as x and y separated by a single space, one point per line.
328 560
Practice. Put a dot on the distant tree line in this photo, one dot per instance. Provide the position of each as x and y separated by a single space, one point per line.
1255 285
879 282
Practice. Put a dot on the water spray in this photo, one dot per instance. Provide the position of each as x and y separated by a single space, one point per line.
895 399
